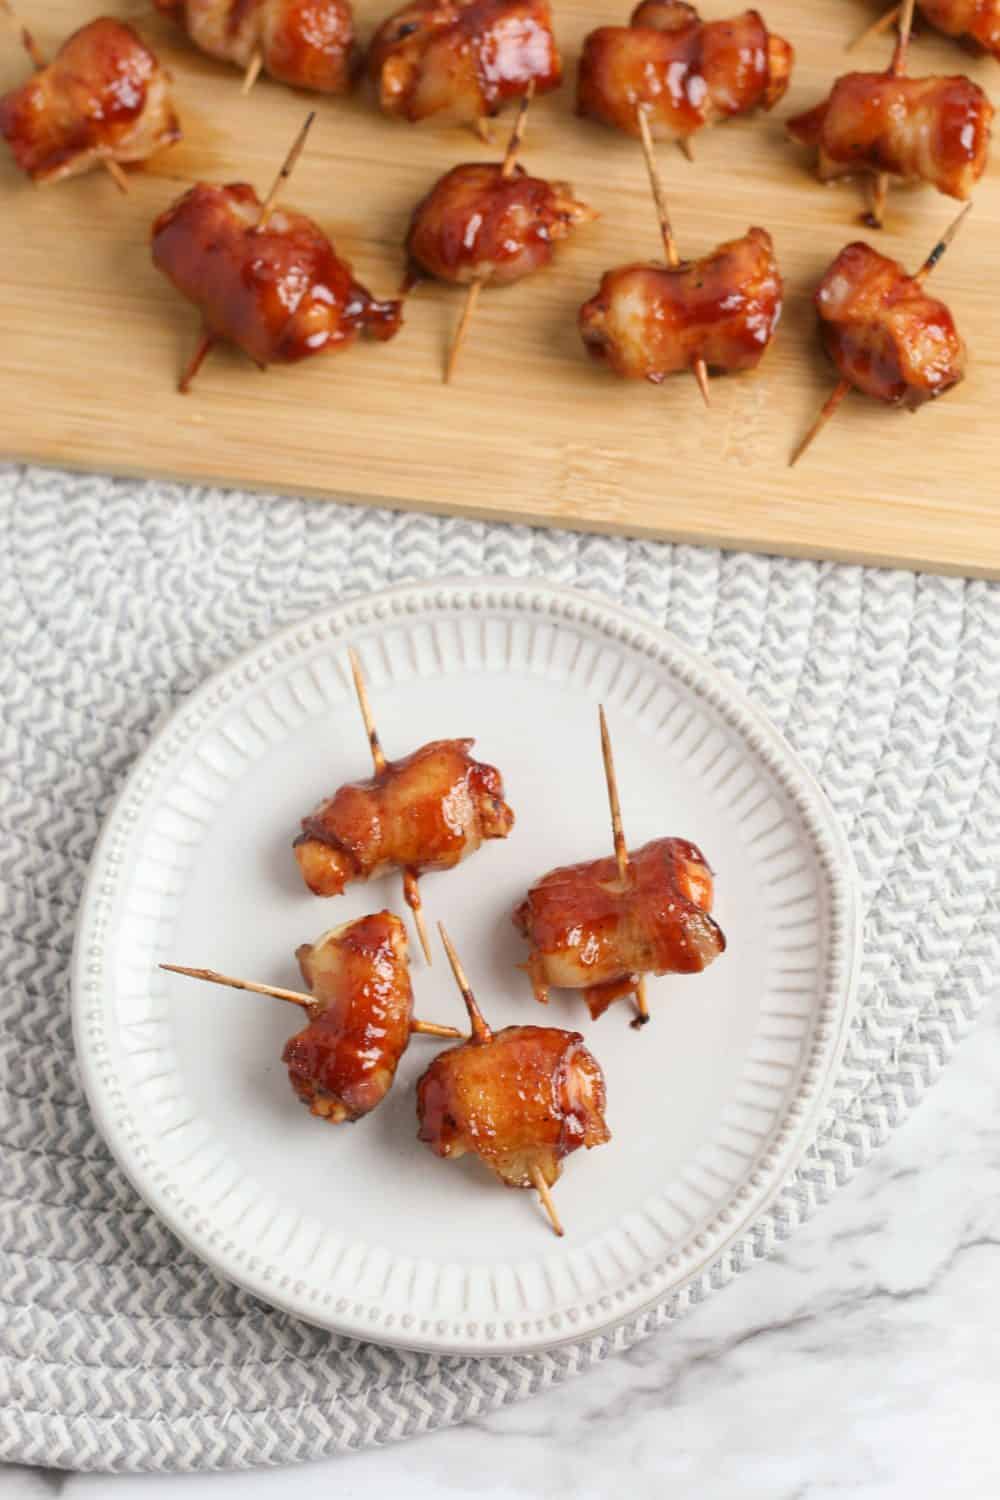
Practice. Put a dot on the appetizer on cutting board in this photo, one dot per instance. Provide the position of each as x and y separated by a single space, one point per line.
463 59
360 1008
489 224
521 1099
687 73
885 335
600 927
974 23
102 101
886 125
263 278
309 44
647 321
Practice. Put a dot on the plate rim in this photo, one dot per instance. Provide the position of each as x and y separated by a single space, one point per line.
90 984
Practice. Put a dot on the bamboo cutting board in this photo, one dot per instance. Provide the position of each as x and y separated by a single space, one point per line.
94 338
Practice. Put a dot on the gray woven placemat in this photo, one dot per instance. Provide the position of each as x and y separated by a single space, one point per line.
118 1349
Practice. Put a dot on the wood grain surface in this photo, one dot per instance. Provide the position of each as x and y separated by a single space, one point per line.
533 430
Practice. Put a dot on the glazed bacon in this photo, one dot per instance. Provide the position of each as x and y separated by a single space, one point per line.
104 97
521 1100
686 73
281 293
463 58
976 22
342 1064
935 130
428 811
478 225
651 321
590 932
306 43
884 333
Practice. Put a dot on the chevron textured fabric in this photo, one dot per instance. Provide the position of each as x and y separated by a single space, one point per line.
118 1349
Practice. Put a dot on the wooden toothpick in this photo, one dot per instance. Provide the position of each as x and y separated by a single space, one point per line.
296 997
208 340
942 245
621 848
212 976
698 367
896 69
843 387
877 27
475 287
481 1033
253 71
38 60
542 1188
284 172
431 1028
411 890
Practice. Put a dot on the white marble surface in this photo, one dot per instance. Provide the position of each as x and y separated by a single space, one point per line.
864 1361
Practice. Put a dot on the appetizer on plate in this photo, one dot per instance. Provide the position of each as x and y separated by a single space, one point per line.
600 927
591 930
521 1099
464 59
309 44
886 336
428 811
360 1008
686 72
263 278
104 99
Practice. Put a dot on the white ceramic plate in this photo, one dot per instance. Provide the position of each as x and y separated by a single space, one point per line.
361 1229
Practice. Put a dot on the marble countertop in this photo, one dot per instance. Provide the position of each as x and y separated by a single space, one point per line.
864 1360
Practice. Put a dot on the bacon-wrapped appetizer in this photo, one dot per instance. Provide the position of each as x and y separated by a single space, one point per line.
686 73
886 336
476 224
649 321
428 811
520 1099
307 43
360 1008
884 333
463 58
104 98
975 23
934 130
589 930
276 289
